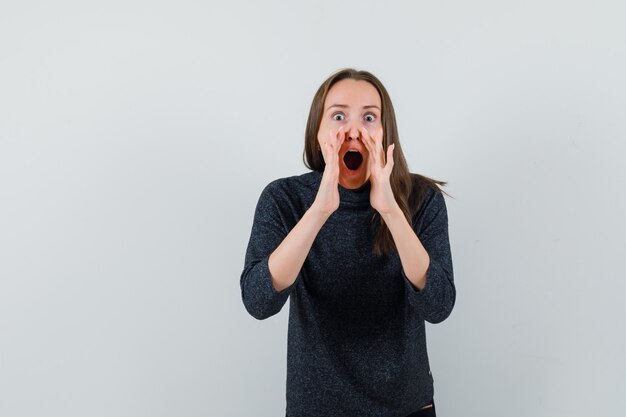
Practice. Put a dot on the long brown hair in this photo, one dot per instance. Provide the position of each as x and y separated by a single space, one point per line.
408 189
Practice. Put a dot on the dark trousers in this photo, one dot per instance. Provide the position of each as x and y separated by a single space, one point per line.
426 412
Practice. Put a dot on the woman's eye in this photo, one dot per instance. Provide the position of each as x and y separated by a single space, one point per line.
370 117
338 115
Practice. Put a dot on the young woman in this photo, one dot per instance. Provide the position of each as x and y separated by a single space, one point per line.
360 247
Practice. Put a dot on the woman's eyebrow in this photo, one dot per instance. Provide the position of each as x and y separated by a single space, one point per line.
369 106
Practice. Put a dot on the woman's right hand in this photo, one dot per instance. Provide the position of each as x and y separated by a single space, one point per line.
327 199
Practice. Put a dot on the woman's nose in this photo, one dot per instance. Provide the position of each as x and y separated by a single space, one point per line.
353 133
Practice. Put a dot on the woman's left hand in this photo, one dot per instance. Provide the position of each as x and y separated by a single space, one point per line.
381 194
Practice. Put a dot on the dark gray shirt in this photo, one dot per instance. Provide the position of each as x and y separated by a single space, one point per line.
356 338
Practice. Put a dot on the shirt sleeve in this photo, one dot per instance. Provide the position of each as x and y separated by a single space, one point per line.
436 300
258 293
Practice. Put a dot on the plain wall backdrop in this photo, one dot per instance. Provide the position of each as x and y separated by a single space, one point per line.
137 136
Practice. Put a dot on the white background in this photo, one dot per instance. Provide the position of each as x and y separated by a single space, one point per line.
136 137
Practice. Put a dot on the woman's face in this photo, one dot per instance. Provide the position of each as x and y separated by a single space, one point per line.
351 103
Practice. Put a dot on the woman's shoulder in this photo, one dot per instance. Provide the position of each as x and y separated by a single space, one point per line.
289 186
425 192
298 180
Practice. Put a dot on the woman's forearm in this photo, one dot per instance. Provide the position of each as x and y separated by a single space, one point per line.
287 259
413 256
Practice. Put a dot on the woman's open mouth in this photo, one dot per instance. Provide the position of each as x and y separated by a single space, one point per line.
353 160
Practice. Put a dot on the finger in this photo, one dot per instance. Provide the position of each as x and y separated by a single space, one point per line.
366 142
379 148
331 150
369 144
342 138
378 155
390 149
332 134
373 159
379 142
339 138
332 155
382 147
365 134
326 154
339 134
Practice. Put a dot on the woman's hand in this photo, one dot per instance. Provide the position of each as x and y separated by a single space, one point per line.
381 194
327 199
